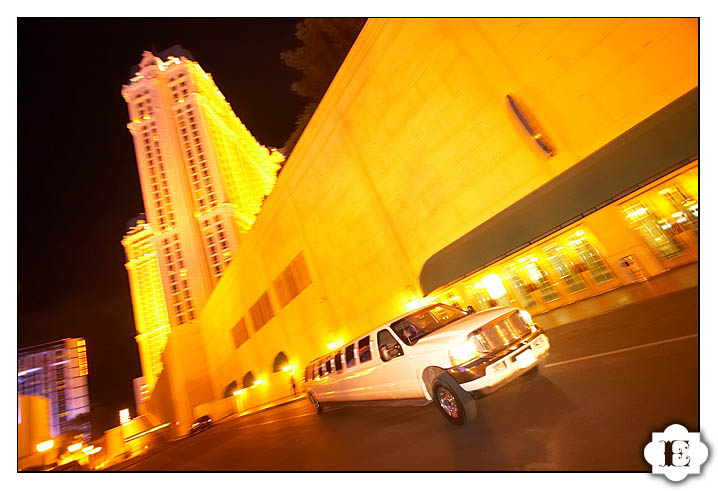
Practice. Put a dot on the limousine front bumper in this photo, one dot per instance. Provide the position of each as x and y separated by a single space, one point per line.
486 374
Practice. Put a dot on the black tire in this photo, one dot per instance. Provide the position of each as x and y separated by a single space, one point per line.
453 402
317 405
536 370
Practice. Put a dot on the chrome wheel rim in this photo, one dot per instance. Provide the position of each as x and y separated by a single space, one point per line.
448 402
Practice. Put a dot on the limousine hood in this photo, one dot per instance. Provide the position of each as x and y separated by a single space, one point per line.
461 328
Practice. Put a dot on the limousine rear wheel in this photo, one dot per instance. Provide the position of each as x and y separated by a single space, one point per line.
452 401
317 404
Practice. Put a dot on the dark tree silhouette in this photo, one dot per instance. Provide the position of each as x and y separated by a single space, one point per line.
326 43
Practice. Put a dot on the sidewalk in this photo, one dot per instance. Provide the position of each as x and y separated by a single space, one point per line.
269 405
671 281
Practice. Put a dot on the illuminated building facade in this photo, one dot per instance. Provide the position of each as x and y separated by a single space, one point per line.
56 371
204 178
418 179
148 299
203 175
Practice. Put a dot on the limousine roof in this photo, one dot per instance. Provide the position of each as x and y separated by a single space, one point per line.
488 314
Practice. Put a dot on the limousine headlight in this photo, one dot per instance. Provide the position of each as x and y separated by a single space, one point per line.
461 353
526 317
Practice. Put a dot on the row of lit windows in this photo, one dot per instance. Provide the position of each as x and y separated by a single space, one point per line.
665 216
217 245
344 358
161 198
197 165
149 293
182 306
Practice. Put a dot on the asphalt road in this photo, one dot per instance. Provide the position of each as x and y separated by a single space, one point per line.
609 382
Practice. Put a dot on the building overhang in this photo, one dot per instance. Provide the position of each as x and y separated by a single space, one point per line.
656 146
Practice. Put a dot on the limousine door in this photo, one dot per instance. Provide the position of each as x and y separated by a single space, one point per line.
396 371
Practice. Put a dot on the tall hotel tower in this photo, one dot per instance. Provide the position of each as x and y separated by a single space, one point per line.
203 178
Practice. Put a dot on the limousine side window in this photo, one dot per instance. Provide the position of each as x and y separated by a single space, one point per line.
321 369
388 346
328 364
349 356
338 361
364 350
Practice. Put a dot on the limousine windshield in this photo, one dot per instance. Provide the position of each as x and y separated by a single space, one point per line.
417 325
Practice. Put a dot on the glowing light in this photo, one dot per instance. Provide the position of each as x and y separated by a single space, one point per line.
286 368
332 345
46 445
124 416
88 448
180 100
415 303
183 273
638 212
492 284
74 447
258 381
94 450
237 392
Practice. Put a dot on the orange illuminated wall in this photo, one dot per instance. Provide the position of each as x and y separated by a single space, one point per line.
413 146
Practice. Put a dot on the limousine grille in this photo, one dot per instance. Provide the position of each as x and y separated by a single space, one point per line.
496 336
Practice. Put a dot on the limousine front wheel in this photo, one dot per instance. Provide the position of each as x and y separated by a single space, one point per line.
452 401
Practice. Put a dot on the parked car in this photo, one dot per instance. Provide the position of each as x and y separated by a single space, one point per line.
200 424
437 353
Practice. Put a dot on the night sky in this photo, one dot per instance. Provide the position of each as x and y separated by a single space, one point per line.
77 180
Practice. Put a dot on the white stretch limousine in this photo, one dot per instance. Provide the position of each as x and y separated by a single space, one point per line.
437 353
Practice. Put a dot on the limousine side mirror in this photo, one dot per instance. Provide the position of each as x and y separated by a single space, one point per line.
388 352
470 309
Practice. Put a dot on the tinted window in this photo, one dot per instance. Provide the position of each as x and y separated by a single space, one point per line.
338 361
364 350
349 356
419 324
328 365
321 370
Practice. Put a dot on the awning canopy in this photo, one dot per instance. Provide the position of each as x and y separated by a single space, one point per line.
656 146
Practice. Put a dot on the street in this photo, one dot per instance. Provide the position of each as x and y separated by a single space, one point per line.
608 383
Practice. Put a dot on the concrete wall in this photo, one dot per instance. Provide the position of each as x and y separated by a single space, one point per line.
413 146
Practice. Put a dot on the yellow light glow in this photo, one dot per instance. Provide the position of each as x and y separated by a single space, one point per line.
46 445
180 100
88 449
237 392
146 116
286 368
94 450
124 416
492 284
332 345
74 447
258 381
415 303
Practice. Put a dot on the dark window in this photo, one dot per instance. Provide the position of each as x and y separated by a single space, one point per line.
261 311
321 369
307 373
364 350
328 364
338 361
230 389
349 356
280 361
239 332
248 380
